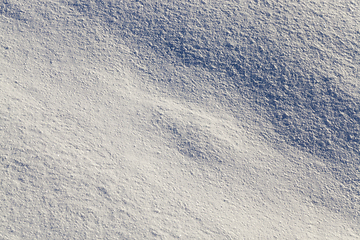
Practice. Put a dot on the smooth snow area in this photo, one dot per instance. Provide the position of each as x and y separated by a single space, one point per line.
179 119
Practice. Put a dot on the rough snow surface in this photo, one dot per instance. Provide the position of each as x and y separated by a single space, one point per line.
179 119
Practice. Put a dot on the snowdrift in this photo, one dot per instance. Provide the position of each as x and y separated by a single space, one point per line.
180 119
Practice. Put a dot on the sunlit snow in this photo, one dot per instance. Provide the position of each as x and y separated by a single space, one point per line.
179 119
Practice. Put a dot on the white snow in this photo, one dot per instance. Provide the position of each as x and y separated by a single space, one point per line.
179 119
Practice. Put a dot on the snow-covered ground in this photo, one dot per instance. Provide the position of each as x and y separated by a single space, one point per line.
124 119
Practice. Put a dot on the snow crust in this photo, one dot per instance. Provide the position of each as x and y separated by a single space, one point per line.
179 119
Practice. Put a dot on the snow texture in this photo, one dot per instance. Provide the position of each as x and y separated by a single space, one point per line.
193 119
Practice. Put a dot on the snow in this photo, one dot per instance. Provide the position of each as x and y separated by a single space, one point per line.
179 119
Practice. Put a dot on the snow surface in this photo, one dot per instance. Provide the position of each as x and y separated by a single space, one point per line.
180 119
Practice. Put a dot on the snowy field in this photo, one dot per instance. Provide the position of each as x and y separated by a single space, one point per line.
188 119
